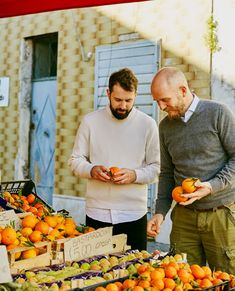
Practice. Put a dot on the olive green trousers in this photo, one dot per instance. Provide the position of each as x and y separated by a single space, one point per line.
206 237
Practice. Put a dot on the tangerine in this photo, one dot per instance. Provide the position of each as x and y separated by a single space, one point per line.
176 194
29 254
43 227
31 198
188 185
29 221
35 236
9 236
129 283
111 287
51 221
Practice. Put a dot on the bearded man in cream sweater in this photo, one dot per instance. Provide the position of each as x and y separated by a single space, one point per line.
122 136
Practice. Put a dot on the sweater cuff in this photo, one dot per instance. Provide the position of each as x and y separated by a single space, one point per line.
87 170
215 185
139 177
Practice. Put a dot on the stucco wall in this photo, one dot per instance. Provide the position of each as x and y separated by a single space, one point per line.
180 24
223 62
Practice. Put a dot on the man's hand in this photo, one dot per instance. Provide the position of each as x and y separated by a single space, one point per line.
203 189
154 225
124 176
100 173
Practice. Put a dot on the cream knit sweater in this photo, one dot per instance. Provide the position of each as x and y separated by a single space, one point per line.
131 143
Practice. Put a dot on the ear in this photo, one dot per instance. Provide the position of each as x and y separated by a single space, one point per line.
183 89
108 92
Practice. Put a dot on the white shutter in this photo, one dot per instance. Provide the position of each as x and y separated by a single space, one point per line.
143 59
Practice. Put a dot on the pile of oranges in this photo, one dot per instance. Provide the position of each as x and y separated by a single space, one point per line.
171 277
30 203
35 229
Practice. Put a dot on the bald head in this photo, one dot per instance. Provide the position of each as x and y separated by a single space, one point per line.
170 89
169 77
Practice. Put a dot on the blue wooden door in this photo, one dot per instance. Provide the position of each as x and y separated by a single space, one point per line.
43 126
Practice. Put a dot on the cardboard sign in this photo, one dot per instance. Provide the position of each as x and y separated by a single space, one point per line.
94 243
9 217
5 273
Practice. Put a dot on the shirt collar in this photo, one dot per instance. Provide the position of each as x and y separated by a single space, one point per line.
191 109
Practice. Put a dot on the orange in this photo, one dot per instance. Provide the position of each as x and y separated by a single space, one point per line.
61 228
60 219
55 233
100 288
29 221
31 198
51 221
69 229
184 275
17 255
145 276
207 270
158 283
188 185
113 170
111 287
170 272
137 288
43 227
0 237
144 284
35 236
32 210
224 276
187 286
29 254
178 288
8 236
142 268
175 265
197 271
169 283
156 275
176 194
38 205
119 285
69 220
129 283
205 283
88 229
26 231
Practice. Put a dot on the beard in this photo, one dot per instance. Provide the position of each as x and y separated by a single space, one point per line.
119 113
177 111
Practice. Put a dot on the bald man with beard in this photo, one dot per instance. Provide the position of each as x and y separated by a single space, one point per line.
197 139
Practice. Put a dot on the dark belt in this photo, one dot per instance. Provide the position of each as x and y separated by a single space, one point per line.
207 209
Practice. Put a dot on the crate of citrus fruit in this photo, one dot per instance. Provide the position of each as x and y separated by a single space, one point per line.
22 197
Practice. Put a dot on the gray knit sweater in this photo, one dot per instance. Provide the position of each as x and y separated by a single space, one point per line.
204 147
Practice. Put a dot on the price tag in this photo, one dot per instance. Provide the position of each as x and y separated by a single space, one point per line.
94 243
9 217
5 273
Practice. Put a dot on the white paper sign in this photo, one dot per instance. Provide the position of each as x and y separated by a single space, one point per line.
4 91
94 243
9 217
5 273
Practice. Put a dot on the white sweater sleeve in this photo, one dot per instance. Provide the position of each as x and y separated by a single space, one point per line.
79 159
149 173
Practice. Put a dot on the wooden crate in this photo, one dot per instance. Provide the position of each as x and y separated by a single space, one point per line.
41 260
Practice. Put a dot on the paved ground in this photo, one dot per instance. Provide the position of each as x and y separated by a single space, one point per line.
152 246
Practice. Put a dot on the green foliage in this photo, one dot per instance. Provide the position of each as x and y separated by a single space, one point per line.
211 38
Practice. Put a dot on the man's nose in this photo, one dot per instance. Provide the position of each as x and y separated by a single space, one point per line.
162 105
123 105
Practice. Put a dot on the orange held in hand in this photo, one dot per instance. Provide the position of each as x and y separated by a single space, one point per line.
113 170
176 194
188 185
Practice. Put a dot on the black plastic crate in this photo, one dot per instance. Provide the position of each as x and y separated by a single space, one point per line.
21 187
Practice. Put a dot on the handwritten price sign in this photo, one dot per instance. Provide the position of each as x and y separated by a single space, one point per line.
8 217
5 274
95 243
